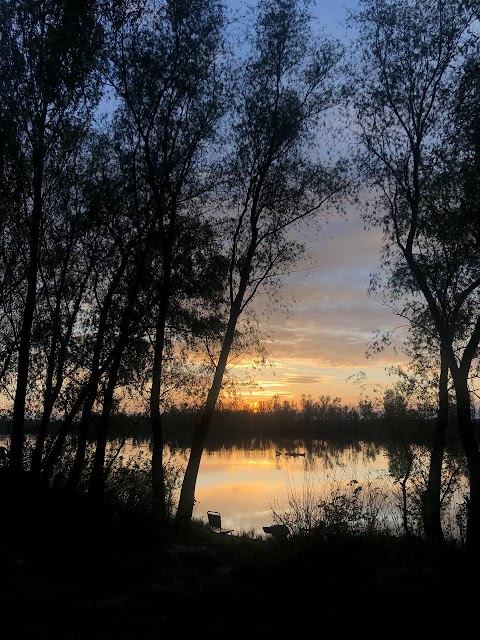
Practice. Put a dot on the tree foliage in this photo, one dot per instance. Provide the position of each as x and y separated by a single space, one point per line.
415 57
152 181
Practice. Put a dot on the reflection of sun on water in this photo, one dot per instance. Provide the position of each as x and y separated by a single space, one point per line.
247 484
244 484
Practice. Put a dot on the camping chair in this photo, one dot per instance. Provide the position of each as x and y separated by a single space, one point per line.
215 522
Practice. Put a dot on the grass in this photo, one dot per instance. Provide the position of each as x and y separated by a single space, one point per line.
69 574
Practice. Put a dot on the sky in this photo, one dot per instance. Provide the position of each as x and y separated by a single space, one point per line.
320 345
321 342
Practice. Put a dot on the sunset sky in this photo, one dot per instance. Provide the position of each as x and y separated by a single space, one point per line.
324 336
323 339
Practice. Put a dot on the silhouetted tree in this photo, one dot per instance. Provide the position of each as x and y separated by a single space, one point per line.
47 62
282 88
164 67
409 54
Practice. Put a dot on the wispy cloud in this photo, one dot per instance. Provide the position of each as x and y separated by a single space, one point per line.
302 380
321 339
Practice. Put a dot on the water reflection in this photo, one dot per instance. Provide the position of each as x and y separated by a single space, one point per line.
248 479
245 484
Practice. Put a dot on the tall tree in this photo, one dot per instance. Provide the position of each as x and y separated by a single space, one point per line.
409 52
47 58
164 67
69 254
282 88
427 362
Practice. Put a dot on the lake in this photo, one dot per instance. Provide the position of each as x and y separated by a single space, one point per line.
246 481
246 484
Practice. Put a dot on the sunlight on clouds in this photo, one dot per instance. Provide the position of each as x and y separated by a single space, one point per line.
321 339
272 384
302 379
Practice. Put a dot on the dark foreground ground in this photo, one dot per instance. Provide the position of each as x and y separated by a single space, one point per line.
67 574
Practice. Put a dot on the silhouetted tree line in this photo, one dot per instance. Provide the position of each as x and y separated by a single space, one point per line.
150 177
154 179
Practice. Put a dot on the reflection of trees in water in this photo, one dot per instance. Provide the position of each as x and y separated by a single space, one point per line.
383 479
409 469
259 432
392 496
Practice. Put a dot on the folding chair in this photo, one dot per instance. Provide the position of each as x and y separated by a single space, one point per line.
215 522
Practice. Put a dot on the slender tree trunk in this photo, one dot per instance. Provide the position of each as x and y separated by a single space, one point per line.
50 394
56 362
159 503
37 455
187 494
409 457
462 394
80 453
472 453
96 488
57 447
18 419
54 454
431 506
159 507
97 478
82 439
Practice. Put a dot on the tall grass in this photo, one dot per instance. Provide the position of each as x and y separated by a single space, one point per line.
337 505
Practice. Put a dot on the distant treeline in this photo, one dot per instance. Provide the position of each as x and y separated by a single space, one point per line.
310 419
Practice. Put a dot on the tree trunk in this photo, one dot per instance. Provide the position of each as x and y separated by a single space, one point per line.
18 419
80 453
37 455
159 502
97 478
57 447
404 482
48 399
431 506
56 362
472 453
53 455
159 505
462 395
187 494
82 439
96 488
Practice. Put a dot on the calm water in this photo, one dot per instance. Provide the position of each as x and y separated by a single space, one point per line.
247 482
245 485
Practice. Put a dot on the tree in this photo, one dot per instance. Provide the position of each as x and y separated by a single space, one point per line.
69 256
410 52
427 373
282 88
112 232
164 67
48 57
366 410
